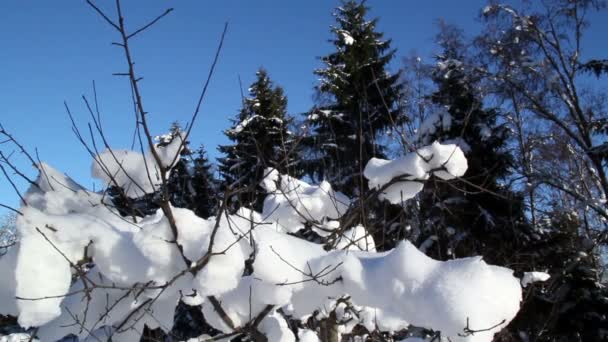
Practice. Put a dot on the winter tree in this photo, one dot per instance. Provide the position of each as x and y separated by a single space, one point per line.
476 214
570 306
192 184
535 70
358 101
533 61
206 187
261 140
89 267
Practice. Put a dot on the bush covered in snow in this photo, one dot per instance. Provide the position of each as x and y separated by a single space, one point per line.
106 275
287 259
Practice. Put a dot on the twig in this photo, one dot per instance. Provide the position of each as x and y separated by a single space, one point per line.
150 23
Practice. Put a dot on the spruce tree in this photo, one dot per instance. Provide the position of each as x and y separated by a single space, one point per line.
571 305
204 186
474 215
360 101
179 190
192 184
260 140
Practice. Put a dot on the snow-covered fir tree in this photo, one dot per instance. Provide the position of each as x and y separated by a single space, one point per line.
358 101
260 140
180 189
206 187
192 184
472 215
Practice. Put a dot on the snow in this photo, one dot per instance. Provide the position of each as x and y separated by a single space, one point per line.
446 161
275 328
292 202
35 262
420 290
108 272
348 39
438 121
18 337
356 238
313 117
224 271
306 335
401 179
8 264
243 124
460 142
124 167
533 277
484 131
444 64
413 339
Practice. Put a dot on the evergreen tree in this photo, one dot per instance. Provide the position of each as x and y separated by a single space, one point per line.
192 184
474 215
204 185
360 101
179 180
260 140
571 305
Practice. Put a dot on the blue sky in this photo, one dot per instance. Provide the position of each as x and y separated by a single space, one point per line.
53 50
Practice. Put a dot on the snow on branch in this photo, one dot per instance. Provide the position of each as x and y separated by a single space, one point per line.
107 277
401 179
122 167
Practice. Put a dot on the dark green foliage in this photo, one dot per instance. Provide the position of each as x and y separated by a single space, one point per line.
261 140
9 325
473 215
476 215
126 206
599 129
193 186
572 304
359 102
190 323
597 66
205 199
387 223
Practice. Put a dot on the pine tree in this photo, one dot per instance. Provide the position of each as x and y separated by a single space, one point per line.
360 101
474 215
260 140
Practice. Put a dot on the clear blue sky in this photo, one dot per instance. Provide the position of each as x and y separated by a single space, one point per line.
52 50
